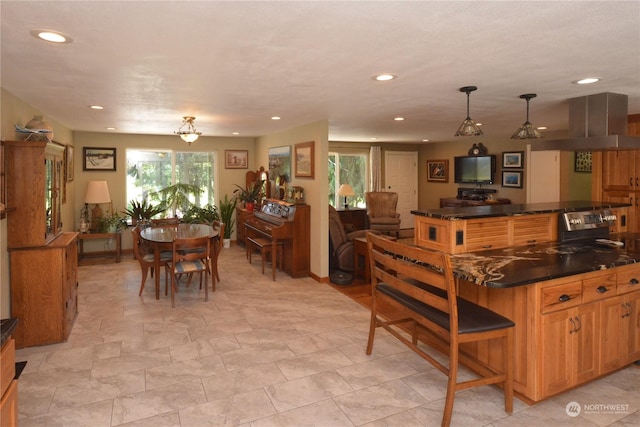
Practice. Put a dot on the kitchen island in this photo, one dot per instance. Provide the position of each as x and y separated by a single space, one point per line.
574 302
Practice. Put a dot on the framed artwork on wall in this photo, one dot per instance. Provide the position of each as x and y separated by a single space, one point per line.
512 159
236 159
98 159
583 161
512 179
280 162
304 157
438 171
68 163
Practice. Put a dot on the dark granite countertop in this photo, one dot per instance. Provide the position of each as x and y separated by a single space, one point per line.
6 327
471 212
522 265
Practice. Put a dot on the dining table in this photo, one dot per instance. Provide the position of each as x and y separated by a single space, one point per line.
161 239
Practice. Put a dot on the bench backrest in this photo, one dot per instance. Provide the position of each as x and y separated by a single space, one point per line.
421 274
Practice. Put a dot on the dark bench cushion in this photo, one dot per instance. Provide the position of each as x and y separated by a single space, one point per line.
471 317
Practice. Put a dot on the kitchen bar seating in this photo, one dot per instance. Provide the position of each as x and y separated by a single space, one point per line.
420 287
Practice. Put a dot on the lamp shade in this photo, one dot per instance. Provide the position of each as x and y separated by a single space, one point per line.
97 192
346 191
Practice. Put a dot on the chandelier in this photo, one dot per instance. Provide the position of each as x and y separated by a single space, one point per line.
188 134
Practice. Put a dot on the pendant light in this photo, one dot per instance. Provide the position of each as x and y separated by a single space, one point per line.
527 131
189 134
468 127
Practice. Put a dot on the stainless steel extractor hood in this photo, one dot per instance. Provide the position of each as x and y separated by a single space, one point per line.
596 123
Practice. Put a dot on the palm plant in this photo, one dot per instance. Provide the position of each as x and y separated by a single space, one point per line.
226 215
142 210
176 196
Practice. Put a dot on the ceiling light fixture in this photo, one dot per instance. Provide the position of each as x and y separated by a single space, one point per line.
385 77
190 134
51 36
527 131
398 119
96 107
468 126
587 81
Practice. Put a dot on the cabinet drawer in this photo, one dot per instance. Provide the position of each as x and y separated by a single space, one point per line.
482 235
534 229
561 296
598 288
7 364
628 279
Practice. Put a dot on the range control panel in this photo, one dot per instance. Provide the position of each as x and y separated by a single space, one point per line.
587 220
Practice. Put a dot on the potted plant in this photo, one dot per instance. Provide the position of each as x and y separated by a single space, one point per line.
227 206
249 195
142 211
176 196
111 222
201 215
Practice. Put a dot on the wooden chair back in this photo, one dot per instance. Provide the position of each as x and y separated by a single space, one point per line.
163 222
215 274
190 255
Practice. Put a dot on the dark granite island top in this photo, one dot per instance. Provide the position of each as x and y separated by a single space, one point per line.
457 213
522 265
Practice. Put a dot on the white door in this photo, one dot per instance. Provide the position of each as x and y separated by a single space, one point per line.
545 167
401 176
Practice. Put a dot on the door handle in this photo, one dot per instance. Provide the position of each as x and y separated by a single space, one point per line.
573 326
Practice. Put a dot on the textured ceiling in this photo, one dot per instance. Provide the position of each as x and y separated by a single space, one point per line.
233 65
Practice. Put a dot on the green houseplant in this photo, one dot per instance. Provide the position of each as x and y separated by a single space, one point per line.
142 210
110 222
176 196
249 195
227 206
201 215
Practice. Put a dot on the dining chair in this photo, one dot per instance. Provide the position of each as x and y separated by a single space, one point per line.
215 274
190 255
145 258
161 222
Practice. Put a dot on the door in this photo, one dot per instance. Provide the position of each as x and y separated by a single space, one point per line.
401 176
543 176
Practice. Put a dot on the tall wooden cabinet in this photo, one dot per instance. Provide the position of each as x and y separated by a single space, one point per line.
43 260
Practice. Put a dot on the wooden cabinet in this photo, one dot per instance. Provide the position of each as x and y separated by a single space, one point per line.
43 260
8 385
44 291
34 172
468 235
454 202
353 219
569 348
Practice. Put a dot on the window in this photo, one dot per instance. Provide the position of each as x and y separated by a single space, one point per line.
348 168
149 171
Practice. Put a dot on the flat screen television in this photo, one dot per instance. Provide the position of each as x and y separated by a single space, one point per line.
474 169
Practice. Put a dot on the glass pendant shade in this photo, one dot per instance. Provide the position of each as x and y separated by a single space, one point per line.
527 130
468 126
190 134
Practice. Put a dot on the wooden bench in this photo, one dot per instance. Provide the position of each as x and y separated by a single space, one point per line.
419 285
265 247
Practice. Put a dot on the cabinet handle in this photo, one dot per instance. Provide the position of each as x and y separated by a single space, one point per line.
627 310
573 326
579 323
630 181
630 308
633 281
486 246
564 298
601 289
637 185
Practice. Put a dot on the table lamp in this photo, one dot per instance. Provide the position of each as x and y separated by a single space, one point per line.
97 192
345 191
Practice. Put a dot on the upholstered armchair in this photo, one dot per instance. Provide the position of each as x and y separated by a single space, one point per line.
381 210
341 243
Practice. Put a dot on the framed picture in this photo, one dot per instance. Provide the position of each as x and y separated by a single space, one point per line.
98 159
280 163
236 159
68 163
583 161
438 170
512 179
304 159
512 159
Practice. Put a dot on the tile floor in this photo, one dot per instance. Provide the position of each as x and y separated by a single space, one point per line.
259 353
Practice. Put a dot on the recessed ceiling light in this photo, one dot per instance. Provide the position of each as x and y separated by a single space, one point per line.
51 36
398 119
235 133
425 140
479 124
111 128
541 128
275 118
587 81
373 139
96 107
384 77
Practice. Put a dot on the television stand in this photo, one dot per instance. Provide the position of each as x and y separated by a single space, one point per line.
474 193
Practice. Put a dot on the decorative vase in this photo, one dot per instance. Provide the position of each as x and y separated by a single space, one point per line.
249 206
226 243
37 123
